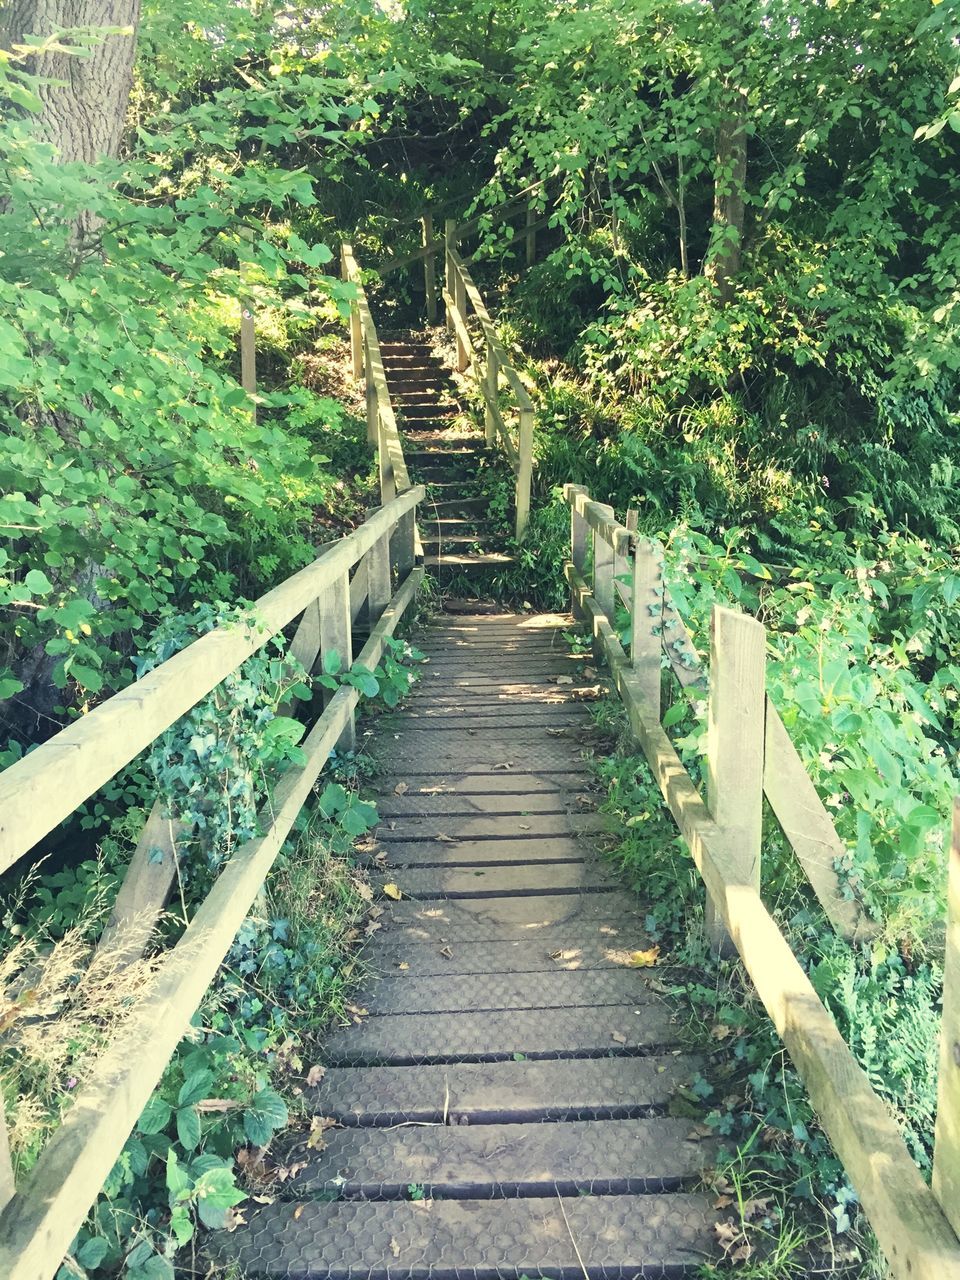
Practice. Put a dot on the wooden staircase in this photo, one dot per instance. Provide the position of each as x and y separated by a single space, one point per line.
446 452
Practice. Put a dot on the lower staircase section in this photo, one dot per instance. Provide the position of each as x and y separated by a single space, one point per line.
445 451
500 1106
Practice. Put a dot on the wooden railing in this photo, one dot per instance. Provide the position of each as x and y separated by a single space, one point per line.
44 1212
749 755
490 364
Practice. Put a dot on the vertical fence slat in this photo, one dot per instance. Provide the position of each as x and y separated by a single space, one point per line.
646 621
7 1183
603 567
946 1150
491 382
378 578
449 243
524 471
336 634
429 269
578 538
735 734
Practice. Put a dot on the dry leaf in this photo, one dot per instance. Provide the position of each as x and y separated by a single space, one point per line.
564 680
699 1132
394 1248
446 953
318 1127
263 1199
393 892
401 788
507 764
372 928
616 1035
445 839
644 959
743 1253
564 955
364 890
402 964
723 1202
719 1032
298 1211
315 1075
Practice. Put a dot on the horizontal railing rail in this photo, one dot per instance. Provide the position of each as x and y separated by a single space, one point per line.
490 363
749 755
44 1211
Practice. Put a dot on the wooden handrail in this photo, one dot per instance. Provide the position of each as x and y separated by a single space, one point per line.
47 1208
912 1226
460 296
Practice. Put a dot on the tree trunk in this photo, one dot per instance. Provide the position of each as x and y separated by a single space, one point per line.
83 115
726 237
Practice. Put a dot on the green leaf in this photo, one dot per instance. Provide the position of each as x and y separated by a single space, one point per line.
266 1114
188 1128
92 1252
155 1115
195 1086
178 1180
332 662
951 588
37 583
181 1224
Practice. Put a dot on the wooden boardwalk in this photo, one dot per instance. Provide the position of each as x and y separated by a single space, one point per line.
502 1106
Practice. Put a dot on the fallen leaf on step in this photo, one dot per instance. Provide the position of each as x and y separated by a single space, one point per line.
298 1211
364 890
719 1032
508 764
403 965
315 1075
723 1202
263 1199
446 953
394 1248
699 1132
393 892
564 955
401 788
445 839
556 733
644 959
618 1037
372 928
564 679
375 913
586 802
318 1127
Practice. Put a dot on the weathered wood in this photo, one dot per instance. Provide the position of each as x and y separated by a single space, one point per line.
7 1181
603 559
37 1225
946 1150
464 345
336 637
429 268
45 787
531 230
491 394
449 249
143 894
914 1234
349 271
646 621
601 519
524 472
735 730
378 578
809 828
578 538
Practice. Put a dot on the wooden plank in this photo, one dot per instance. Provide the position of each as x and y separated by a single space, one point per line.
144 892
524 472
946 1150
336 637
735 730
378 577
809 828
464 347
350 271
45 787
8 1184
602 520
646 621
449 252
578 537
603 557
503 434
914 1234
459 325
38 1224
491 395
429 267
359 589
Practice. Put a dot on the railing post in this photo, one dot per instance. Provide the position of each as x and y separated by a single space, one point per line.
531 234
373 413
404 546
429 268
7 1183
603 567
336 634
460 299
491 382
449 243
946 1148
378 579
525 471
646 621
736 719
388 479
578 539
356 332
